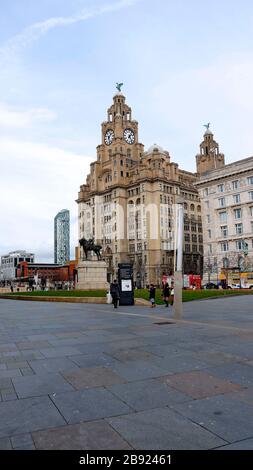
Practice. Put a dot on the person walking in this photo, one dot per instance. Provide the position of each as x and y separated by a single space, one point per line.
114 290
152 290
166 294
172 294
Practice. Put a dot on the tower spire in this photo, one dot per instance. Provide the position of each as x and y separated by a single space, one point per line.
209 157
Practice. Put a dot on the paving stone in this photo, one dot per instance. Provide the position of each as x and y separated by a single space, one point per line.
92 377
8 396
59 352
17 365
26 371
97 435
9 347
148 394
5 444
10 373
36 385
21 440
29 354
245 395
88 405
199 384
51 365
3 367
133 355
228 418
239 373
30 414
5 383
32 345
246 444
137 370
26 447
163 428
92 360
178 363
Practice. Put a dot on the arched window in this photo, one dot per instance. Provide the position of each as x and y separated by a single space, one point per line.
192 207
199 208
185 206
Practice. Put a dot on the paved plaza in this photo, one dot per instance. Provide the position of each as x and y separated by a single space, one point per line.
83 376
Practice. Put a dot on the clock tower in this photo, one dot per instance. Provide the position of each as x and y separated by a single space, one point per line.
127 203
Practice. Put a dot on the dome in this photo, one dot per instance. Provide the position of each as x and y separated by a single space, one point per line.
208 132
155 148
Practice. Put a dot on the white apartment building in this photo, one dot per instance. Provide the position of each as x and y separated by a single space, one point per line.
226 194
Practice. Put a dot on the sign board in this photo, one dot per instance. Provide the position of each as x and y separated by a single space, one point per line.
125 281
126 285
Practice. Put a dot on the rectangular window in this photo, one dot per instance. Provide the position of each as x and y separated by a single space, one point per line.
187 248
207 204
238 213
208 218
221 201
223 216
239 245
251 211
250 180
235 184
237 198
224 246
251 226
206 192
221 188
209 233
238 229
224 231
251 195
210 250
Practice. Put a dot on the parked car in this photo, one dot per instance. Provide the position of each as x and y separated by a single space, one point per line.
210 285
234 286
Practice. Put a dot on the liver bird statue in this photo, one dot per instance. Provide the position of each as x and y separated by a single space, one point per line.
119 86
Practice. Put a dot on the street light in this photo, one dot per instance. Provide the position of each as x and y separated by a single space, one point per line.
178 278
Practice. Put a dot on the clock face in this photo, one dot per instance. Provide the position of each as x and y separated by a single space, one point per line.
129 136
109 136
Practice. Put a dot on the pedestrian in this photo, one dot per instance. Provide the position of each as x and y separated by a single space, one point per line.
114 290
152 290
166 294
172 294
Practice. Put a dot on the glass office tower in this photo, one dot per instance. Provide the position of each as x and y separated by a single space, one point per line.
61 237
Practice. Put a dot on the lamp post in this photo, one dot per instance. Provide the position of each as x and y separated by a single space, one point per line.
178 278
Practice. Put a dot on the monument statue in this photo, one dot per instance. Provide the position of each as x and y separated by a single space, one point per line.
119 86
89 245
207 126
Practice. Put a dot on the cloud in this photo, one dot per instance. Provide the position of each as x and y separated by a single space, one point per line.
16 118
36 182
220 93
33 32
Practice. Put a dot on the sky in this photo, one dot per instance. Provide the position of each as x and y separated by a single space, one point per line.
183 64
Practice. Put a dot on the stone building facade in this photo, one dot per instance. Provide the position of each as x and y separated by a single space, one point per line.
226 193
128 202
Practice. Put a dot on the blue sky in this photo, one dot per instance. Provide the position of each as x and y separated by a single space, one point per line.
183 64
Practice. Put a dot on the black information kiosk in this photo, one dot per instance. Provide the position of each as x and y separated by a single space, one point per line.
126 285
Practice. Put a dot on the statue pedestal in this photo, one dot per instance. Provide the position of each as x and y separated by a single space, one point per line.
91 275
